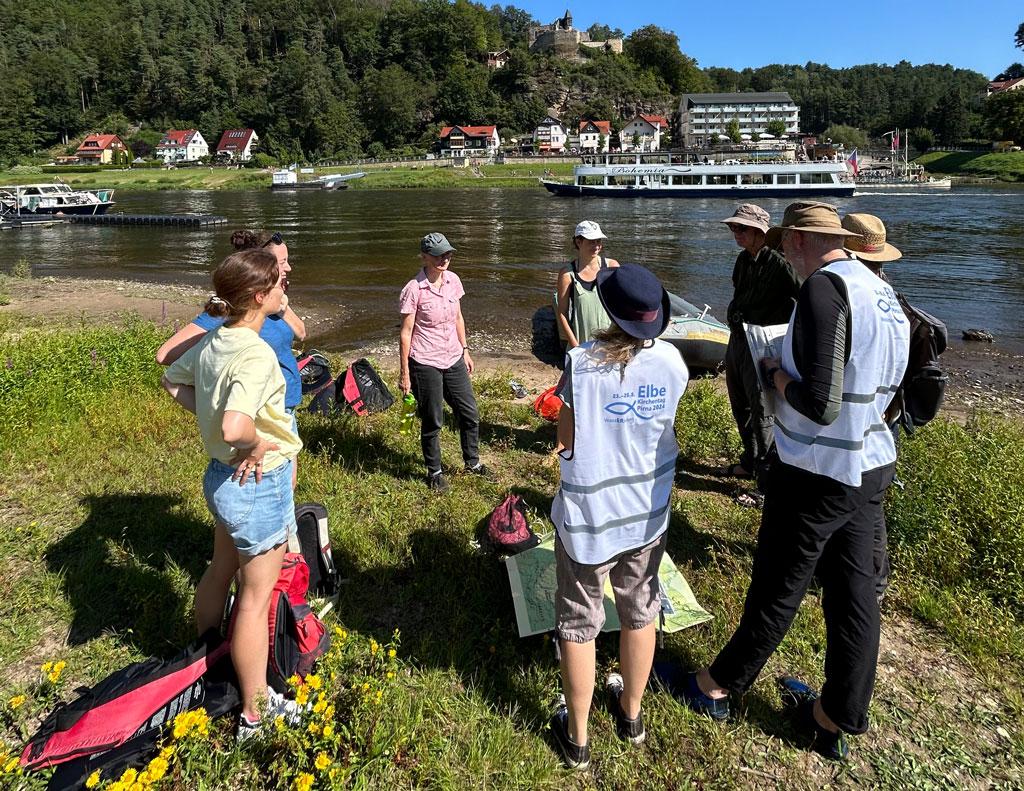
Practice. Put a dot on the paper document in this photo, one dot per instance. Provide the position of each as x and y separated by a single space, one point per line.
531 575
765 342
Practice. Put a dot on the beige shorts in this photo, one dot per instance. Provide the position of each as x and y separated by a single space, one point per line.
579 600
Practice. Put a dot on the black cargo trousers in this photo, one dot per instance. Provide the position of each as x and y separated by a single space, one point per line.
813 522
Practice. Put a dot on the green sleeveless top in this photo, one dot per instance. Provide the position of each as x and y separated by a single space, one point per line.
586 313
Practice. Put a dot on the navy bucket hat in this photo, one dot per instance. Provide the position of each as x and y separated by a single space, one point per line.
635 300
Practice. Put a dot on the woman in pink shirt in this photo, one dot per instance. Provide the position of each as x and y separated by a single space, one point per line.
435 359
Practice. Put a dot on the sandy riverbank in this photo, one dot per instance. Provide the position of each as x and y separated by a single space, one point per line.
981 374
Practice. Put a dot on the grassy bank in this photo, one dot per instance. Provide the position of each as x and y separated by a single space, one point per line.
1004 167
105 534
424 176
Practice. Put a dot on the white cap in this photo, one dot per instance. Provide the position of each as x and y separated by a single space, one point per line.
589 229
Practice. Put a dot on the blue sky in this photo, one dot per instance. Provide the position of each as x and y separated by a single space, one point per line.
975 35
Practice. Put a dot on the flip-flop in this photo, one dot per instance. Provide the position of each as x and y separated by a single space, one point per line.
733 471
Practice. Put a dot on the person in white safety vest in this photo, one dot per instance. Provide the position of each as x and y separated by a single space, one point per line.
842 361
618 454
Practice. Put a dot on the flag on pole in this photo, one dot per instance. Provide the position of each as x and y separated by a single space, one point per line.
896 141
852 163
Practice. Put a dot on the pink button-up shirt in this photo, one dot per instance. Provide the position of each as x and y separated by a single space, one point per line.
435 338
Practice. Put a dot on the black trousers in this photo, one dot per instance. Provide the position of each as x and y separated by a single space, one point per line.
810 521
747 402
432 387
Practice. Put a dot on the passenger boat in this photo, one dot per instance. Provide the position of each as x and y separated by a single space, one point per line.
671 175
700 338
899 173
55 198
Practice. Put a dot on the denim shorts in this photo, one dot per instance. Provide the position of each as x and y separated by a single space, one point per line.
258 516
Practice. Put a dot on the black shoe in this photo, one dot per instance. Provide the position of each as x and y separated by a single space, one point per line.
799 697
479 469
628 730
574 756
684 687
437 482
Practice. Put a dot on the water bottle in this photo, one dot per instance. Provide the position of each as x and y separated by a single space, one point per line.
408 414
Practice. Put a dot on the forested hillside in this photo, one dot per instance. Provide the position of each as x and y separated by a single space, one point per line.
336 78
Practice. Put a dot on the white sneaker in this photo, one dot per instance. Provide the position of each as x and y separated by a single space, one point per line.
246 730
279 706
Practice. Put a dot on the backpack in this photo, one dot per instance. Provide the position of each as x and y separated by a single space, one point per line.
547 405
117 722
315 373
313 542
508 528
362 390
923 388
297 637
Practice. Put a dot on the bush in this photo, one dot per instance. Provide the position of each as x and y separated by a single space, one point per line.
261 160
705 428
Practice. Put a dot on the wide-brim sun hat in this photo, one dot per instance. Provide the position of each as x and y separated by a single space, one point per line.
751 215
634 299
870 243
810 217
589 229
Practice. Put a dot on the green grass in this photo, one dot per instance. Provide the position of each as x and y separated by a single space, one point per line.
1005 167
426 175
105 533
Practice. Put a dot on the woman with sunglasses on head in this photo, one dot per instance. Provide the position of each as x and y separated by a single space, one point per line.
279 331
435 360
232 382
580 314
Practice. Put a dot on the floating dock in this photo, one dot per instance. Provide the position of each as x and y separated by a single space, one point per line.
193 220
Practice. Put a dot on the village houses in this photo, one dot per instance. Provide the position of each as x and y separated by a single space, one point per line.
595 136
182 145
550 135
643 133
472 141
102 150
236 145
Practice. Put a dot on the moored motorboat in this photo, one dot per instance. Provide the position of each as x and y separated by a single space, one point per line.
56 198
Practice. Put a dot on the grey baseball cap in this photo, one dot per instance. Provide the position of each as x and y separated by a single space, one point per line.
435 244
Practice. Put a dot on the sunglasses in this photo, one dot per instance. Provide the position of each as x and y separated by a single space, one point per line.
275 238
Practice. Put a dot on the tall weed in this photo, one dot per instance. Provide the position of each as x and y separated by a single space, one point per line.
705 428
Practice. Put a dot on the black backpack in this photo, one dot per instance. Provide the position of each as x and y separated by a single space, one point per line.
317 382
313 542
362 390
923 388
117 723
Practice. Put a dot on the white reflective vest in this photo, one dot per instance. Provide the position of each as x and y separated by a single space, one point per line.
615 492
858 440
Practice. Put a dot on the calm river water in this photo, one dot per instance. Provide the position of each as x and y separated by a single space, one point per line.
352 251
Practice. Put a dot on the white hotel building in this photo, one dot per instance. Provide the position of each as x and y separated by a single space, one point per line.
704 116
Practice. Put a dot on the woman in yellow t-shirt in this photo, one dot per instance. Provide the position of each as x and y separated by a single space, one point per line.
231 380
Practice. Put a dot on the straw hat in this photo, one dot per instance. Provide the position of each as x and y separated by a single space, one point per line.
751 215
870 244
809 216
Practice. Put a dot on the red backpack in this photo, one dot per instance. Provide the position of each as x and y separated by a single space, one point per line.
548 405
508 528
297 637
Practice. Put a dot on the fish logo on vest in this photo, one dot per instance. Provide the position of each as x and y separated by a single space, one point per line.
649 398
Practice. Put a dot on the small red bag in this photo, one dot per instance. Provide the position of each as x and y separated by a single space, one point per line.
548 405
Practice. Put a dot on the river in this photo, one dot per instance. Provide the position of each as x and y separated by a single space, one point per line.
353 250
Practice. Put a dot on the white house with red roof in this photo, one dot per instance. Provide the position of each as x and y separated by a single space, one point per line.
643 133
236 145
101 149
468 141
1002 86
595 136
182 145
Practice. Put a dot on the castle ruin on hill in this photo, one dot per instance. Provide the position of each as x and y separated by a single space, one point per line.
562 40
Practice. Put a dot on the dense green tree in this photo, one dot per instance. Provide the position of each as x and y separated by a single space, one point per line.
849 136
391 103
1013 72
1004 115
950 120
603 32
732 130
776 128
20 120
657 50
1019 38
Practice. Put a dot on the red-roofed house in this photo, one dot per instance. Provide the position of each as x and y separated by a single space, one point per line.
643 133
1002 86
182 145
594 136
236 144
473 141
101 149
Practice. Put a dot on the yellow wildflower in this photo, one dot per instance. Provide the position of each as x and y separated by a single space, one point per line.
136 787
294 680
319 706
94 779
47 667
129 776
392 653
390 675
313 728
374 646
54 674
314 681
328 731
167 752
303 782
16 701
143 780
302 696
279 725
340 633
322 762
156 769
11 765
365 686
329 712
117 785
333 773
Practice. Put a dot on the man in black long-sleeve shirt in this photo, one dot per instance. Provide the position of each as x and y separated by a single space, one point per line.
765 289
843 359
